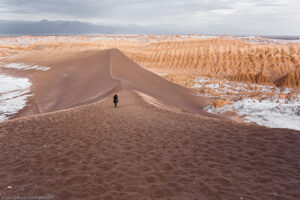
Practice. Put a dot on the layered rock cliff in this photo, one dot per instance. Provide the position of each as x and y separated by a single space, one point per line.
291 80
219 58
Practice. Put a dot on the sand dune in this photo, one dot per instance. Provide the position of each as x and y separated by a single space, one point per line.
86 77
71 143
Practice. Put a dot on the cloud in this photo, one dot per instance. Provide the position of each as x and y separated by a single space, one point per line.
129 9
189 14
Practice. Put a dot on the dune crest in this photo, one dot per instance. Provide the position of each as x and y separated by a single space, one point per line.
86 77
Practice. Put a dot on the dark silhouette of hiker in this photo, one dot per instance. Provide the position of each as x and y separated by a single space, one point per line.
116 100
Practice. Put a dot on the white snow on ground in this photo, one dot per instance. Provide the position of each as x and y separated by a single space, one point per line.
270 113
30 40
202 79
161 74
261 40
271 110
24 66
212 85
229 89
13 95
14 91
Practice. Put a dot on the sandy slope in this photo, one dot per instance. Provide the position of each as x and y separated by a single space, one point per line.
139 151
80 147
85 77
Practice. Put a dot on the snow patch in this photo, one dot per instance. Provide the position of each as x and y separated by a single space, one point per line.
276 113
201 79
212 85
272 110
24 66
13 95
230 89
32 40
161 74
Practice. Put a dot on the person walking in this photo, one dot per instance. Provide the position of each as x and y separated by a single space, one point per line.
116 100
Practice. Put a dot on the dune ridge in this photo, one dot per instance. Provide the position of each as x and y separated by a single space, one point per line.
86 77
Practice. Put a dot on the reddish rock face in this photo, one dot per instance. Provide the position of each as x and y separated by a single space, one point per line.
291 80
259 78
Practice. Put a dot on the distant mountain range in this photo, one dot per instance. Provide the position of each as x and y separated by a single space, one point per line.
46 27
59 27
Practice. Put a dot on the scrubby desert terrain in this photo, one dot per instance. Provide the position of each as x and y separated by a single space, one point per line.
186 127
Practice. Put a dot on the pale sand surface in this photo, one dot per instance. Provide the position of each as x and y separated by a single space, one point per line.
73 144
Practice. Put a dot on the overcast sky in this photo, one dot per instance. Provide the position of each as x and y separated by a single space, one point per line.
271 17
